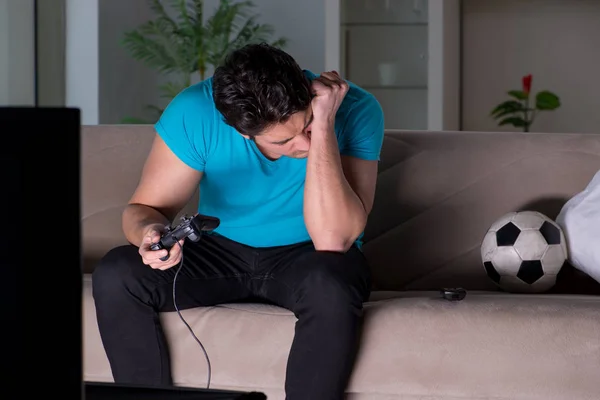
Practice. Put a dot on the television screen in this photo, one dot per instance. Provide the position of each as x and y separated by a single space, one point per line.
39 239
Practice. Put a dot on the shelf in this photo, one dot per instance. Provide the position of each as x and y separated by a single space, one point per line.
392 87
405 52
391 12
403 47
403 109
363 24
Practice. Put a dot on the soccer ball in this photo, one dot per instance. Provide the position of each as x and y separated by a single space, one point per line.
523 251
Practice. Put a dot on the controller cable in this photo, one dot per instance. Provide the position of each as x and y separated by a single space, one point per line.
183 319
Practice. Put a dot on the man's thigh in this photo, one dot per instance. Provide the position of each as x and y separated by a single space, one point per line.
301 271
213 271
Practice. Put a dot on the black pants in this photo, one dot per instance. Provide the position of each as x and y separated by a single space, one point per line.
325 291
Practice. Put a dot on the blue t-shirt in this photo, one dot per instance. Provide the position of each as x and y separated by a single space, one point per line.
259 201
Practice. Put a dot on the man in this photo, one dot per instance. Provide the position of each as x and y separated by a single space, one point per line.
287 161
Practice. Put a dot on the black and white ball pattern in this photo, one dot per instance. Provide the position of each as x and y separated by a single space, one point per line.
523 252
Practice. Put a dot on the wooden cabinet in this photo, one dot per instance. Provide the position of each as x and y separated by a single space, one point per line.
405 52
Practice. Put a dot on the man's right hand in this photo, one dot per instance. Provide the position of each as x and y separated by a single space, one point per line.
152 257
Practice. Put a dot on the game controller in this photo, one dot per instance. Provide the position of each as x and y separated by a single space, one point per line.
453 294
189 227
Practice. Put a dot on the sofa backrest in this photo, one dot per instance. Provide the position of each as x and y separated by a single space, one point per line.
437 194
112 158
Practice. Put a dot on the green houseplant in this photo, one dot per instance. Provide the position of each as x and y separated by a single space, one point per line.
521 111
179 41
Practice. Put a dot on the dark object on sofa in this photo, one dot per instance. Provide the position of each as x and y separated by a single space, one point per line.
113 391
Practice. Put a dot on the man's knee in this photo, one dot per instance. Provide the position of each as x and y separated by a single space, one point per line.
113 269
332 285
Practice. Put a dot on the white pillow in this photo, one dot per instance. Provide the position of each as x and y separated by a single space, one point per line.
580 220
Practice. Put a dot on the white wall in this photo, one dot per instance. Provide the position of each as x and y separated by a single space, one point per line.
82 59
17 79
126 85
302 22
558 41
443 69
4 55
51 20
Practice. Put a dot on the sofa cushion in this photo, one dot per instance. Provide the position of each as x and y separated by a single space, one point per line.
414 344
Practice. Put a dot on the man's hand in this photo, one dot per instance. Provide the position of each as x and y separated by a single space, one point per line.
152 257
329 90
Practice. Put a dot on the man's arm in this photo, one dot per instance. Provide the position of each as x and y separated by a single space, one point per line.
339 193
339 190
166 186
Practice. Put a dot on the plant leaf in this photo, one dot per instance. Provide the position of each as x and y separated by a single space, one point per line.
162 15
222 25
134 121
156 110
518 94
515 121
150 51
180 40
546 100
280 43
185 20
507 107
504 113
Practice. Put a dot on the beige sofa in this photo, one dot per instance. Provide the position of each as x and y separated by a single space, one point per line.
437 194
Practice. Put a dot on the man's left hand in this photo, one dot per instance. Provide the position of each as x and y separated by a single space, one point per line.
329 90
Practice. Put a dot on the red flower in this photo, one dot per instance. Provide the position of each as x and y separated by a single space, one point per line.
527 83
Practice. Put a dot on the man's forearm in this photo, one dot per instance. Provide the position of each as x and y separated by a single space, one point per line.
137 218
333 213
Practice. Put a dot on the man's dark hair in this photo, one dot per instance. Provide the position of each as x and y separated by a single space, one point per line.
258 86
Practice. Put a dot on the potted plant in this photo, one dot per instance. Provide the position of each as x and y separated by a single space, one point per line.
184 44
522 110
